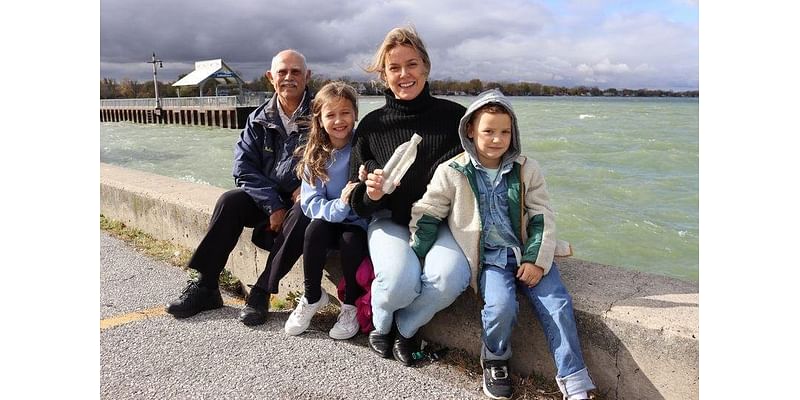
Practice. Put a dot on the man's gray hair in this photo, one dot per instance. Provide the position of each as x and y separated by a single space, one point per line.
299 54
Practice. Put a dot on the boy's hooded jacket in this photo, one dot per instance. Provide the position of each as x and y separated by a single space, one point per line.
453 194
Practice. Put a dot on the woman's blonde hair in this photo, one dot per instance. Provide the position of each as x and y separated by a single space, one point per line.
402 36
317 150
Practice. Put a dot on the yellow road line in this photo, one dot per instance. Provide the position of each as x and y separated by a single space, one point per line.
130 317
145 314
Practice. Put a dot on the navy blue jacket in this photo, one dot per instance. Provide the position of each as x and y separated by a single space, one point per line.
263 158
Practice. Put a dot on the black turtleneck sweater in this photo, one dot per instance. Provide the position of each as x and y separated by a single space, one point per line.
380 132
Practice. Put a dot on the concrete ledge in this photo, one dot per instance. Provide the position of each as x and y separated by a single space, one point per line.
639 332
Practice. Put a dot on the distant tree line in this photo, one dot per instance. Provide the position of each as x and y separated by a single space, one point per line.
476 86
128 88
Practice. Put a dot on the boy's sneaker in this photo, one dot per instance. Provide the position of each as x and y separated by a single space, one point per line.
195 298
496 380
300 318
346 325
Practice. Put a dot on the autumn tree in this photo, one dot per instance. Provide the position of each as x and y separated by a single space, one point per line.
474 86
129 88
108 88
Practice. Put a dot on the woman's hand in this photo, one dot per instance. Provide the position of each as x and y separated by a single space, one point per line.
530 273
375 185
347 191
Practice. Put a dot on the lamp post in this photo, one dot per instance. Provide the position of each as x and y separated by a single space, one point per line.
155 81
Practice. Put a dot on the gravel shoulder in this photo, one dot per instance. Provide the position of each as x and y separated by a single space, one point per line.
212 355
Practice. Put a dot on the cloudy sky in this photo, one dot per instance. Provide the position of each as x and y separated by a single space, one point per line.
603 43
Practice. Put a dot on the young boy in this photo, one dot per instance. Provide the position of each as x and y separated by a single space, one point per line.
497 207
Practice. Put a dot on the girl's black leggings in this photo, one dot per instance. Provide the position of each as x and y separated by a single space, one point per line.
322 235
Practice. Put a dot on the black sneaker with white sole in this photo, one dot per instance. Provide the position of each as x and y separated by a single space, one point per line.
496 380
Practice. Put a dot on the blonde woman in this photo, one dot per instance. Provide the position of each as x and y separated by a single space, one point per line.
404 295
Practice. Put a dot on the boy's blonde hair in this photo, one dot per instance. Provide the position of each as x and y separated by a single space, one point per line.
401 36
317 150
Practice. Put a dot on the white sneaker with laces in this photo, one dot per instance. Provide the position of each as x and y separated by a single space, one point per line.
346 325
300 318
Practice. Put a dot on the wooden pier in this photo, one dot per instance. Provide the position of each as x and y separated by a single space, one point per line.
221 111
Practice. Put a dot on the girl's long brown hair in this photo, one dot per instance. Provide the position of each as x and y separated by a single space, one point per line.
317 150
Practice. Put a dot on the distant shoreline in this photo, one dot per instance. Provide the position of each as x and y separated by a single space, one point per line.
130 89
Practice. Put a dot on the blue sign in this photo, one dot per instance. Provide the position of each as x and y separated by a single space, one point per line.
224 74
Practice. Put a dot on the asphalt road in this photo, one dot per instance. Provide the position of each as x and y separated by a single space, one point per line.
147 354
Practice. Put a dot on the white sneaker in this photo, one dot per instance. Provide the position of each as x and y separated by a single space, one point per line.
346 325
300 318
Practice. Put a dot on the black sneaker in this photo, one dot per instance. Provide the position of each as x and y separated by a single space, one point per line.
496 380
255 310
194 299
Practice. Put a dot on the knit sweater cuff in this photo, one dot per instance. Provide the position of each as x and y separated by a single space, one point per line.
371 165
361 204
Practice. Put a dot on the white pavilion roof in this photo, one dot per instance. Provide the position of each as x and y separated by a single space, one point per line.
210 69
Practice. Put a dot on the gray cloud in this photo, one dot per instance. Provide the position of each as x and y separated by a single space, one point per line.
516 40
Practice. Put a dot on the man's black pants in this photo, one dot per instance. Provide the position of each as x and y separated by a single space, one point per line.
235 209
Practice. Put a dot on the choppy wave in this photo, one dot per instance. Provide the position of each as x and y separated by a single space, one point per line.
624 186
189 178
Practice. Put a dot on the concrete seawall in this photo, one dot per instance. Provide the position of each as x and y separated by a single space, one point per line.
639 332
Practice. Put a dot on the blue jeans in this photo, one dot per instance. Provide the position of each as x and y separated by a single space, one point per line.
402 290
553 307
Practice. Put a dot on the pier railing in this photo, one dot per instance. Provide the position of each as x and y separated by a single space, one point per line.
248 100
127 103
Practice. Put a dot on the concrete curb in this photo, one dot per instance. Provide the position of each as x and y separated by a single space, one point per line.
639 332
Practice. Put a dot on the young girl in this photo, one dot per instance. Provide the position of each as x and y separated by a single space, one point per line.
324 198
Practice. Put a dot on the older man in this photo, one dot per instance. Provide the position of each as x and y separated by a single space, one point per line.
265 198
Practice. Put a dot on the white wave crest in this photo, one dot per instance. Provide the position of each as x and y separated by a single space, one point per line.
584 116
189 178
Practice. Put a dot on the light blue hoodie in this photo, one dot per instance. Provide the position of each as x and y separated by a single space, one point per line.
321 201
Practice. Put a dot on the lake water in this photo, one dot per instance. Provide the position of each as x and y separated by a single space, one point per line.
622 172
